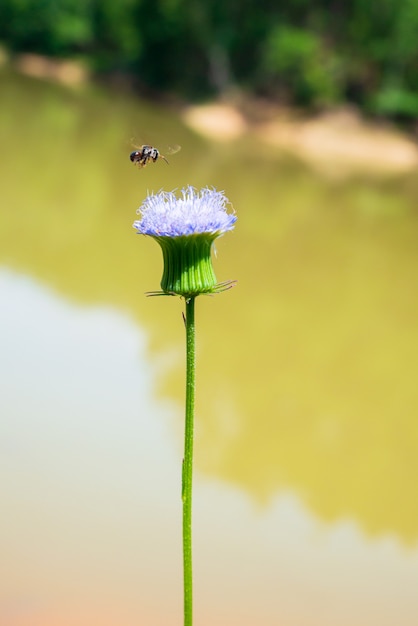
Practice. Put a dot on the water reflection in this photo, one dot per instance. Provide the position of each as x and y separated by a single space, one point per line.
86 458
307 369
92 491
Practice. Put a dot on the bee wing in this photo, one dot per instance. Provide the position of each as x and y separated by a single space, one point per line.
137 142
173 149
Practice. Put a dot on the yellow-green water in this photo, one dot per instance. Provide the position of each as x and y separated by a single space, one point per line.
307 412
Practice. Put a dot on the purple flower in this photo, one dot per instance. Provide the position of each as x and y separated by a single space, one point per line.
185 229
195 212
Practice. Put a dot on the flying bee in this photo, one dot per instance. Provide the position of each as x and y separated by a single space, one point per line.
143 154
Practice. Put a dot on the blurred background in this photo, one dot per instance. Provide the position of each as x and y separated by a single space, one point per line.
305 505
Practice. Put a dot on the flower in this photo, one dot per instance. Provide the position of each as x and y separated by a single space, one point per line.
186 228
165 215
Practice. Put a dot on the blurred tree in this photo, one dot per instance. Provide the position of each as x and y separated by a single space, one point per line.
313 53
52 27
99 29
297 63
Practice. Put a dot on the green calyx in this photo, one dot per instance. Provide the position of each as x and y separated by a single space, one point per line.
188 267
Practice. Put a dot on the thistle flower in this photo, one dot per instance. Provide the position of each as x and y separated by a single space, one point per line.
186 228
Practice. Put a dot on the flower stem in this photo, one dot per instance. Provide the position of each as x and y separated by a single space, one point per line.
188 462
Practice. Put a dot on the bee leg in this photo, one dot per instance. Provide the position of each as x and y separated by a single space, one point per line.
163 157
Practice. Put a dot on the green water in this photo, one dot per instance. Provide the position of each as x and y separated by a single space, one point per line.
308 368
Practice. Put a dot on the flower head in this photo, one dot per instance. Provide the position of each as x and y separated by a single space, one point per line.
186 228
204 211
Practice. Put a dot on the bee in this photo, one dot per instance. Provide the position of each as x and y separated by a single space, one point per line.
143 154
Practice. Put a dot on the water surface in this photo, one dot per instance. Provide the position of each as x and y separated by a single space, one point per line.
307 433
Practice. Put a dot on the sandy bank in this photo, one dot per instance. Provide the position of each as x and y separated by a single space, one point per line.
334 143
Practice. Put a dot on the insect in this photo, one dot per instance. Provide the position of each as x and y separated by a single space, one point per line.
145 153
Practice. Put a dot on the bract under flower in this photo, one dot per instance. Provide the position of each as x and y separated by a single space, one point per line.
204 211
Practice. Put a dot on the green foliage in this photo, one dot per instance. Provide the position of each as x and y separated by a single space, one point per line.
49 26
296 60
95 28
392 101
309 52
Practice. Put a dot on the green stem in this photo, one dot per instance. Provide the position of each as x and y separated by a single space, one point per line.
188 462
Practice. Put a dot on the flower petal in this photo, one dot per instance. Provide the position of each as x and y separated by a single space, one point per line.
165 215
